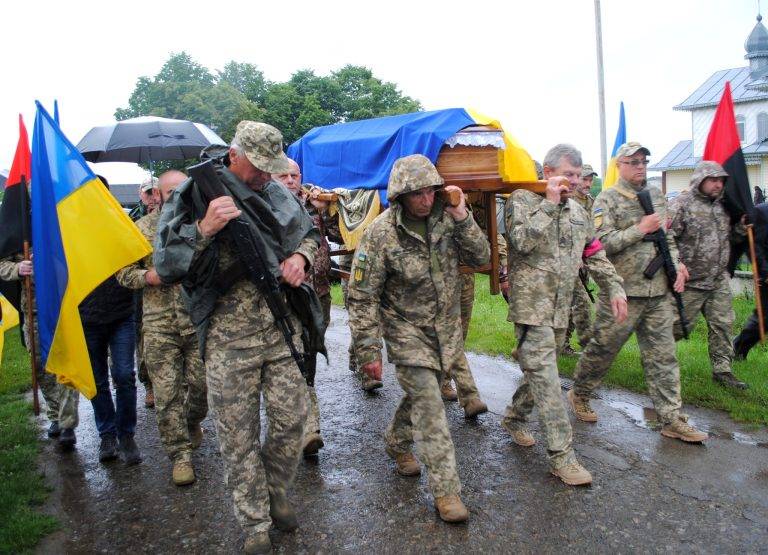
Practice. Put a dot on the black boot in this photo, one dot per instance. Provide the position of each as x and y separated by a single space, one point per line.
130 450
282 514
67 439
108 448
729 380
54 430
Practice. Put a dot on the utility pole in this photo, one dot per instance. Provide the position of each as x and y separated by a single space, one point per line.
601 89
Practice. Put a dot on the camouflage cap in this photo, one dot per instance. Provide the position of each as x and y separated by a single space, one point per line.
628 149
148 184
705 169
263 146
587 171
412 173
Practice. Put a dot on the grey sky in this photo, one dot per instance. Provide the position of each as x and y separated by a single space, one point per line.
529 64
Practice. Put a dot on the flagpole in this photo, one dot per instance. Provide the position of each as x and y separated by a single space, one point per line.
28 291
756 283
601 89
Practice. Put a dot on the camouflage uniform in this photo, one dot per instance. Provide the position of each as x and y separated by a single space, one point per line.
170 352
413 289
617 212
581 307
245 354
62 400
547 243
702 228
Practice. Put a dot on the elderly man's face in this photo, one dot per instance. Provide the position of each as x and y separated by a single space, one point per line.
246 172
291 179
634 168
418 204
566 169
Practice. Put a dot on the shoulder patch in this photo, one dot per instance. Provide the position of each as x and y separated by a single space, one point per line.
597 216
361 266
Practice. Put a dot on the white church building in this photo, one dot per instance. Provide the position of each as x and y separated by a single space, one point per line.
749 86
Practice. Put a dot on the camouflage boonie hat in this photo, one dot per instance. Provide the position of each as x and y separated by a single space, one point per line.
263 146
705 169
628 149
587 171
412 173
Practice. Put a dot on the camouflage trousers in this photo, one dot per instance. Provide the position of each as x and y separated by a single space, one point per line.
651 320
537 354
717 307
313 414
238 373
61 401
420 419
178 380
466 388
580 317
351 349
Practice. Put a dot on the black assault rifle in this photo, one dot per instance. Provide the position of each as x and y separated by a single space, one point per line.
251 255
663 258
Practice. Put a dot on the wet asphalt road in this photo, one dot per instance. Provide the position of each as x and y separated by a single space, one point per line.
650 493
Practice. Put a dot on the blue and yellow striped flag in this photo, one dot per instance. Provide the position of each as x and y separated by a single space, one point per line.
9 318
612 172
81 237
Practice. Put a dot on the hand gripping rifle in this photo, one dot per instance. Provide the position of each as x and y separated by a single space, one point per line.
663 259
252 256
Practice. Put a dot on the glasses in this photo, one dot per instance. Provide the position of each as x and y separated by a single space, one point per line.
635 163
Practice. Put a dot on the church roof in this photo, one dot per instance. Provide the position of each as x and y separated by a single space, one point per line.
681 156
709 93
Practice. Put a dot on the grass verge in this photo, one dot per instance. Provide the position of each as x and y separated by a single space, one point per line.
23 488
490 333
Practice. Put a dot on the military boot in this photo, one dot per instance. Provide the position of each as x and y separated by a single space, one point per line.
573 474
474 407
369 384
451 509
130 450
257 544
195 435
729 380
282 514
67 439
680 429
183 473
149 398
406 463
447 392
312 444
520 435
581 408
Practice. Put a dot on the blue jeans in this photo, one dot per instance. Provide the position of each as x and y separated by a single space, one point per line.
120 337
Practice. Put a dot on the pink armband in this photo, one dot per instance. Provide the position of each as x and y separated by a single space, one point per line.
593 248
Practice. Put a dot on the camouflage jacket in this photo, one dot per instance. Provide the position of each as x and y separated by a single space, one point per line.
546 249
163 306
9 271
616 215
412 288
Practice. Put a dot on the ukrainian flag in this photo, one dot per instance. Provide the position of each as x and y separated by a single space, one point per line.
81 237
612 172
9 318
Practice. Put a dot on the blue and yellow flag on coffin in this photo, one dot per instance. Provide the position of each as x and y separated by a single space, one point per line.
81 237
612 171
9 318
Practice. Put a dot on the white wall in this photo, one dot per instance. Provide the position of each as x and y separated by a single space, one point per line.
678 180
702 121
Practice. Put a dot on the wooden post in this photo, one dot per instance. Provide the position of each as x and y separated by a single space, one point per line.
489 199
756 282
28 292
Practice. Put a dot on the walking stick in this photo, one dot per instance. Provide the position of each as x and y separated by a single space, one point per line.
756 282
28 291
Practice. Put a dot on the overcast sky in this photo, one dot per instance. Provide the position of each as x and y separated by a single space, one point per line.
530 64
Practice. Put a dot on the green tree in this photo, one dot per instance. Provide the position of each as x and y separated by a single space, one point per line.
246 78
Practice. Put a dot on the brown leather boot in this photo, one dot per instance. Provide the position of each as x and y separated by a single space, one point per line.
581 408
474 407
183 473
406 463
451 509
447 392
149 398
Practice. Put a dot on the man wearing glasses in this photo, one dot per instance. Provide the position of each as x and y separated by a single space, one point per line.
622 226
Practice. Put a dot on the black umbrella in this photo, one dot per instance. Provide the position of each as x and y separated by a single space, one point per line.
147 139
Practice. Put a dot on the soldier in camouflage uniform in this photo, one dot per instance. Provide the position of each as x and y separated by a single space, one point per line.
622 226
466 389
702 230
245 354
406 275
62 400
581 306
170 351
319 280
549 240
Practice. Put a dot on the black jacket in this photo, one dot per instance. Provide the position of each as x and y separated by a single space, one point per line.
109 302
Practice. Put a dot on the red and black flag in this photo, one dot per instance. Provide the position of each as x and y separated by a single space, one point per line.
14 212
724 147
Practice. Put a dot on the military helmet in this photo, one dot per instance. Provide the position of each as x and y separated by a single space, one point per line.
412 173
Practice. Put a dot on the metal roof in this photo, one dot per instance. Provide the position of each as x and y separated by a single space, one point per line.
710 92
681 156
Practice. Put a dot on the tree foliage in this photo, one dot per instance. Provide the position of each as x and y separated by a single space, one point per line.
184 89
